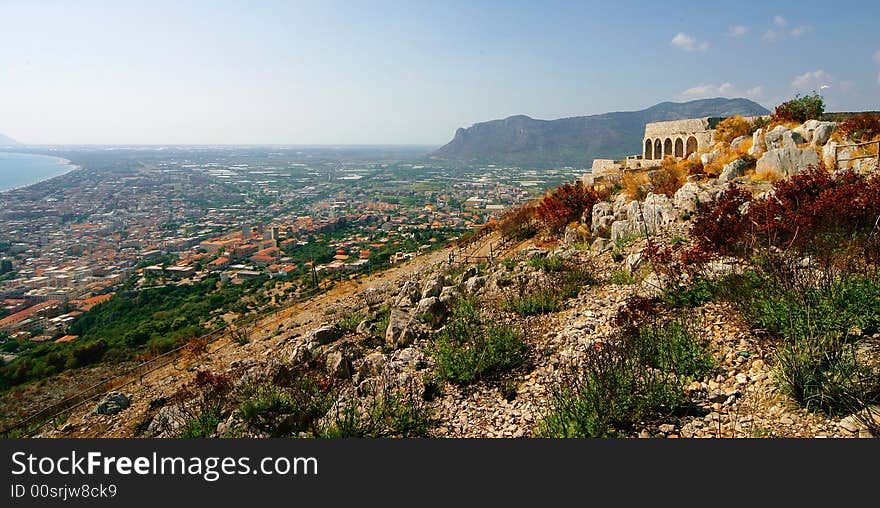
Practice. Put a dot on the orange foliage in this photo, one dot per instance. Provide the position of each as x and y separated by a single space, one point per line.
635 184
565 204
732 128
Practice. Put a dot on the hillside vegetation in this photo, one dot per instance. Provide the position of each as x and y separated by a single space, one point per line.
735 294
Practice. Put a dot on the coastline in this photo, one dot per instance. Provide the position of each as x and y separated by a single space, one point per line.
67 165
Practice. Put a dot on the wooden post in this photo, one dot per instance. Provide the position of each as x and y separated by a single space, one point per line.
835 159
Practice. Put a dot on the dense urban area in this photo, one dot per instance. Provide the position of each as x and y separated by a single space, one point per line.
177 241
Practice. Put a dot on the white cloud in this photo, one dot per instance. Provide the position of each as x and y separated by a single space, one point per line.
780 21
754 92
705 91
811 80
738 31
770 35
687 43
801 30
877 56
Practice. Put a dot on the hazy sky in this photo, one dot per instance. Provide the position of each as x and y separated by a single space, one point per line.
405 72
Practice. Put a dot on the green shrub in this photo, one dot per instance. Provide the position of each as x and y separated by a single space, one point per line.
702 290
673 347
574 279
821 327
547 263
621 277
201 426
468 350
793 310
636 377
350 321
286 410
543 301
823 373
386 415
800 109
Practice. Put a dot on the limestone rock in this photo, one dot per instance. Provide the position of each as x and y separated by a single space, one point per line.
339 364
758 146
733 170
409 294
113 403
432 310
689 197
625 228
433 287
784 162
828 151
707 158
167 423
634 261
774 138
822 134
600 210
600 245
475 284
804 134
372 365
738 143
324 334
402 329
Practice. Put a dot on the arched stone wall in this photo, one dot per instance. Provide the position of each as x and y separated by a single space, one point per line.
658 149
667 147
679 148
649 150
691 146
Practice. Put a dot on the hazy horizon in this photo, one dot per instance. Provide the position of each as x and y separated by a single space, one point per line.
394 74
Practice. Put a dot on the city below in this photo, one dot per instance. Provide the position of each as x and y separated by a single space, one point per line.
137 218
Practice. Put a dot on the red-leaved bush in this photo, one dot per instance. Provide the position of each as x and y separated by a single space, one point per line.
564 205
861 127
812 213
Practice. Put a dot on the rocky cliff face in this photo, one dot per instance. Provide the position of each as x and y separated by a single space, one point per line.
577 140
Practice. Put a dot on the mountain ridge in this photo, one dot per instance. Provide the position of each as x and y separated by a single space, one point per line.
576 140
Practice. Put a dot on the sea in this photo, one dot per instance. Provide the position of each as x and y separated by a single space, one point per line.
20 170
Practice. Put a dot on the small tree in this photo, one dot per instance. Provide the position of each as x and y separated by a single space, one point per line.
800 109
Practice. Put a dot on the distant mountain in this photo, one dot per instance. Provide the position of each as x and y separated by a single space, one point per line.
7 141
576 141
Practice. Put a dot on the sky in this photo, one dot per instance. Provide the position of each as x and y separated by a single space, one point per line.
260 72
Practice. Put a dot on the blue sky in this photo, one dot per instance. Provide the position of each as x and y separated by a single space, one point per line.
405 72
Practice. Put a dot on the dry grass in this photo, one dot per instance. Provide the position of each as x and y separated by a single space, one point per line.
635 184
788 123
732 128
726 157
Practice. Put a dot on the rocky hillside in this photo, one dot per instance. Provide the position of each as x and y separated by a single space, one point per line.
743 301
576 141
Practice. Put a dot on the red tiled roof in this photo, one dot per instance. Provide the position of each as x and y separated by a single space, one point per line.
23 314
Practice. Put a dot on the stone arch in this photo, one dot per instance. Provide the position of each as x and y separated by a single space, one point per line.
658 149
667 147
690 146
649 149
679 148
